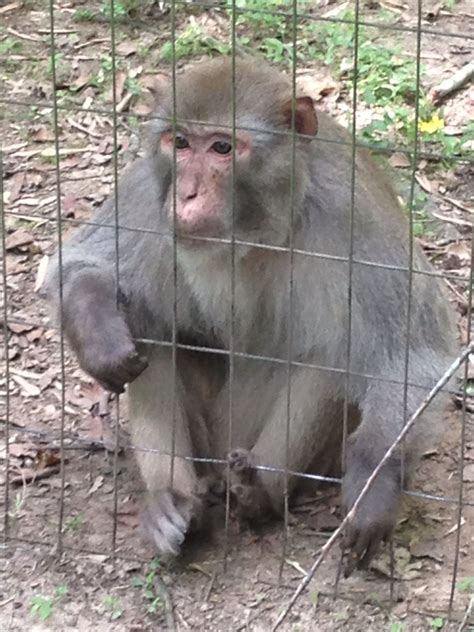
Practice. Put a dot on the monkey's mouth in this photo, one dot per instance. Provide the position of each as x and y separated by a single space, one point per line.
202 233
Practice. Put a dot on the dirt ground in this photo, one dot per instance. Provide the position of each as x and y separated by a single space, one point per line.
105 577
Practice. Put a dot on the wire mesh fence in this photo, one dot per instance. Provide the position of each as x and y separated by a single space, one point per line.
76 94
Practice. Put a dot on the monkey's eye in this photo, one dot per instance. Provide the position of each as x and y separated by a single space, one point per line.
222 147
180 142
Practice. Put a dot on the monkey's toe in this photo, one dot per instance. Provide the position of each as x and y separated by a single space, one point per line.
361 544
168 517
211 489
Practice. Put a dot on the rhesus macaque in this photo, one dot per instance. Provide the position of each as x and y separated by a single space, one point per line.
106 326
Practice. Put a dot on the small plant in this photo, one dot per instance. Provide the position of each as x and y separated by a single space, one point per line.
466 584
397 627
112 605
437 623
275 50
106 63
263 14
74 523
147 585
84 14
133 86
193 41
42 606
10 45
58 62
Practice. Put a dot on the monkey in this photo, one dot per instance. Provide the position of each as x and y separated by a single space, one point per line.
250 284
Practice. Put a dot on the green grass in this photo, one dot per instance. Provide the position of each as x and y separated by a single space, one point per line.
386 76
146 584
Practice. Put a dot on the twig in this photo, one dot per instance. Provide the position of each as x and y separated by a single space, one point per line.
31 477
124 103
10 7
458 204
7 600
460 298
57 31
452 220
350 515
84 129
211 585
446 87
162 589
24 36
92 42
182 620
467 614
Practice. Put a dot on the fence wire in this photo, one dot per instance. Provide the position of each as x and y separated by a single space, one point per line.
63 436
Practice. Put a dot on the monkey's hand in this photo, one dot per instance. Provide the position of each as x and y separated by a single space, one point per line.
99 335
375 517
168 517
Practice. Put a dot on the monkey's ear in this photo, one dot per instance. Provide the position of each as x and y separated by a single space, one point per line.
158 85
306 121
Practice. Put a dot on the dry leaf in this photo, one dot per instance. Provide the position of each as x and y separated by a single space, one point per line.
18 181
43 135
424 183
19 238
120 78
99 481
400 160
426 548
30 390
468 473
308 85
127 48
41 272
19 328
47 458
85 75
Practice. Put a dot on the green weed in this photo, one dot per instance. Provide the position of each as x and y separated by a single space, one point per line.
43 607
112 605
147 586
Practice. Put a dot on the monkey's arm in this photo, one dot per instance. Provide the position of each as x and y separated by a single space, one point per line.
97 331
82 285
382 418
87 301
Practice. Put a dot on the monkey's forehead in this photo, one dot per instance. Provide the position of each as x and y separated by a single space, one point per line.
217 92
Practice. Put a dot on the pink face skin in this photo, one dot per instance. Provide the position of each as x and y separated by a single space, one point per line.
204 177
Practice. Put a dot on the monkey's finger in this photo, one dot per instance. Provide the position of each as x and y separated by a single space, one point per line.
371 550
351 560
161 528
357 541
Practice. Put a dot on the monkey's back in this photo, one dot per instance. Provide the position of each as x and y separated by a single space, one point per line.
368 227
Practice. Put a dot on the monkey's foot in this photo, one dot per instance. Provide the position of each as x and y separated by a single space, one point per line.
242 466
253 503
250 497
168 517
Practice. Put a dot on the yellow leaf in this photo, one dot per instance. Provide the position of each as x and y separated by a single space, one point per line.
432 126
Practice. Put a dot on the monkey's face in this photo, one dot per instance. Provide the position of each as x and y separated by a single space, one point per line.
204 175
